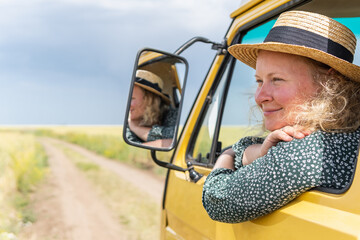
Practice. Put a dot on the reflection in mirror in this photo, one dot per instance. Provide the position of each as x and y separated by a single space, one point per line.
155 100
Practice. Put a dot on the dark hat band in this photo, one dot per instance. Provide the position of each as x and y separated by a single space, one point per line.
297 36
150 84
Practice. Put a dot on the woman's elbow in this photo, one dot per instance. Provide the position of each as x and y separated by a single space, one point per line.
223 209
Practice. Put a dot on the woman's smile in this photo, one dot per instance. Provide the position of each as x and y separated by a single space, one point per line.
269 112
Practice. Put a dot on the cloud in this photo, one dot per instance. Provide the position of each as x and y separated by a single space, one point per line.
194 15
78 33
81 52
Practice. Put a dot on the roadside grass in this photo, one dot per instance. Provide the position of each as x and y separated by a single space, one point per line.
228 136
23 164
132 208
231 134
108 142
105 141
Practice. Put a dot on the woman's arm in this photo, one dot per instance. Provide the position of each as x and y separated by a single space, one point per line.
285 134
162 143
139 131
248 149
225 160
267 184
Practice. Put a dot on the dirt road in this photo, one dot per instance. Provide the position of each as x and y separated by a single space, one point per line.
67 207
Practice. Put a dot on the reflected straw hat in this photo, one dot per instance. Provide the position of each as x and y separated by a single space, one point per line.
309 35
151 82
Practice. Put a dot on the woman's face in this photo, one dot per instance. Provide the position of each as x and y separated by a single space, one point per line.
137 106
284 82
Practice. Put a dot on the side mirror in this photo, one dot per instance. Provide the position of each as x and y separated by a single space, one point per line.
155 100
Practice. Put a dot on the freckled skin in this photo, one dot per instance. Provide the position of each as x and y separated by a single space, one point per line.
284 82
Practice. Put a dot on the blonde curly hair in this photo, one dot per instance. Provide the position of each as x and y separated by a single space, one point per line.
335 107
154 111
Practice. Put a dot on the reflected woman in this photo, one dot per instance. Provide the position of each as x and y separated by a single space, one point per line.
151 118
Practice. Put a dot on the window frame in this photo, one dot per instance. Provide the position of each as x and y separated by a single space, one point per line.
203 112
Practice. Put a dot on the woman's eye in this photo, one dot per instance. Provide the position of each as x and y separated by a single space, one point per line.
258 81
277 79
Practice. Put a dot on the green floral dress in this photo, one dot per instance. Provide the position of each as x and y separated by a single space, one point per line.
164 131
287 170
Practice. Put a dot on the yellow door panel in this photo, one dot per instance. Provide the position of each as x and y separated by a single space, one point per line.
301 220
185 213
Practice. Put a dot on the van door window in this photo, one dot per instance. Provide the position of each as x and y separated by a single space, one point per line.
240 117
236 111
206 132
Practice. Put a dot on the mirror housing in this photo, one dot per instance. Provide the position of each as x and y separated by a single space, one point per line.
155 100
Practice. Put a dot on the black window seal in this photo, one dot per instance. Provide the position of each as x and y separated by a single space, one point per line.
215 142
202 114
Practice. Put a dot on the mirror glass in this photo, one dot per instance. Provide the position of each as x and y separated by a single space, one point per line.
155 100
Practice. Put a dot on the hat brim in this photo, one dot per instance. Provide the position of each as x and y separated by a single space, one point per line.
247 53
165 98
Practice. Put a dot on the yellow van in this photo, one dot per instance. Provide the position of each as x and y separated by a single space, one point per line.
212 126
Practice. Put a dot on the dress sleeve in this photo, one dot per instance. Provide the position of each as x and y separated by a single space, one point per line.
240 147
160 132
270 182
166 130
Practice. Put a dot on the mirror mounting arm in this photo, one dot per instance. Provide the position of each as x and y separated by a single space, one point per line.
220 47
194 176
166 164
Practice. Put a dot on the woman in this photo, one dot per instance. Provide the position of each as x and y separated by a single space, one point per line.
151 118
309 93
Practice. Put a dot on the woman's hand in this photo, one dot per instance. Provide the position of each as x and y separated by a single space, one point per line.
285 134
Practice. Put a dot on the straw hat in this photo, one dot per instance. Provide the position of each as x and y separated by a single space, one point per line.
151 82
310 35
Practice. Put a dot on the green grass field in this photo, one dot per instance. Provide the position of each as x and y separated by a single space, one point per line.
23 164
108 141
228 135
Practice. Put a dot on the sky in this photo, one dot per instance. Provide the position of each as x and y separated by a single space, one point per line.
70 62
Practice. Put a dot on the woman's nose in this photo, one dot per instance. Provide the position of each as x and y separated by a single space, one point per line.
263 94
132 103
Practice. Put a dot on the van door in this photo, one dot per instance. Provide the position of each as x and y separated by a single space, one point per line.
228 113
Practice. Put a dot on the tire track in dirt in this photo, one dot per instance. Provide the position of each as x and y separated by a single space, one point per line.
141 179
68 208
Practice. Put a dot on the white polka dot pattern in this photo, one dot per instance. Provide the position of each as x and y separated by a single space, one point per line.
287 170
